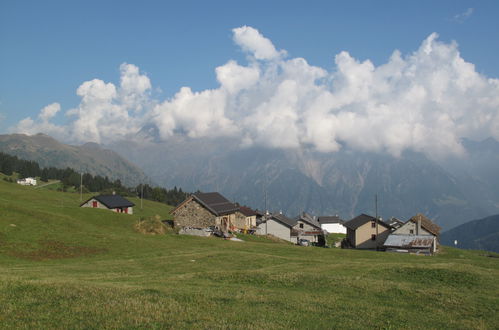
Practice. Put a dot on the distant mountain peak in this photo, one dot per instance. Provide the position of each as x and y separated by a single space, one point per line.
90 157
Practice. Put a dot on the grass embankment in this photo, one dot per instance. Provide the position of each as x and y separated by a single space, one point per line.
62 266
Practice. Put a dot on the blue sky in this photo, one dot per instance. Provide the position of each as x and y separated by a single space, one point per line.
49 48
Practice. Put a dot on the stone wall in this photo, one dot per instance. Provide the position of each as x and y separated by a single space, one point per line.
193 214
240 221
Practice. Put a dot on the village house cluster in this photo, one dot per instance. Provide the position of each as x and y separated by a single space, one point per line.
211 211
203 214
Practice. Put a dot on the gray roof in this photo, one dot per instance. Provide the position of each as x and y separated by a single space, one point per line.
395 223
409 241
283 219
113 201
330 219
247 211
215 203
361 220
309 219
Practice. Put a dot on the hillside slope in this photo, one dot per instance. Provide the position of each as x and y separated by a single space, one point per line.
482 234
91 264
88 158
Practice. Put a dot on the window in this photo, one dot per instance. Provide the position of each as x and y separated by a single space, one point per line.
373 237
373 224
94 203
301 225
411 231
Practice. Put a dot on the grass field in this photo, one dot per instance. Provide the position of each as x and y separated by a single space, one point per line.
62 266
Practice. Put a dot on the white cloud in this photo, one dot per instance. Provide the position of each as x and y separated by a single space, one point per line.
464 15
49 111
425 101
105 113
252 41
42 124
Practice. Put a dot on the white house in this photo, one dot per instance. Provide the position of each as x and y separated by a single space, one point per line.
333 225
277 225
27 181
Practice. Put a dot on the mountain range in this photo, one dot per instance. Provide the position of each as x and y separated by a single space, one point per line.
482 234
449 191
89 158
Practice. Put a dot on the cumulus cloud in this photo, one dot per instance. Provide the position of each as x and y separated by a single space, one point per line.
252 41
424 101
106 112
49 111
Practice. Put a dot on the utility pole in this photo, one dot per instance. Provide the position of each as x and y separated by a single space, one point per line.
376 207
81 187
141 194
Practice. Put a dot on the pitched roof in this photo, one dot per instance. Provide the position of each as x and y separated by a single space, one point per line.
215 203
112 201
330 219
247 211
426 223
361 220
409 241
395 223
283 219
309 219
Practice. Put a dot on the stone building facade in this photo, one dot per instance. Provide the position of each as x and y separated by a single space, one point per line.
203 210
193 214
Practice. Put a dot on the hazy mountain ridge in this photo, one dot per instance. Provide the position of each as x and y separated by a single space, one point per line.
450 192
90 157
482 234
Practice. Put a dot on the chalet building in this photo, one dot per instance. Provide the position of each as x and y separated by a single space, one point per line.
115 203
203 210
366 232
418 235
277 225
307 227
27 181
332 224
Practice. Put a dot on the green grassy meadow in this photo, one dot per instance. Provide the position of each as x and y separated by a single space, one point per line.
62 267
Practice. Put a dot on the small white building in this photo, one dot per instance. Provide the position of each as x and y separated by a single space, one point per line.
27 181
332 224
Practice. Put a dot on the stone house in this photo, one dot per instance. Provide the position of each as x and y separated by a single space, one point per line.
246 218
366 232
307 227
115 203
203 210
277 225
332 224
418 235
